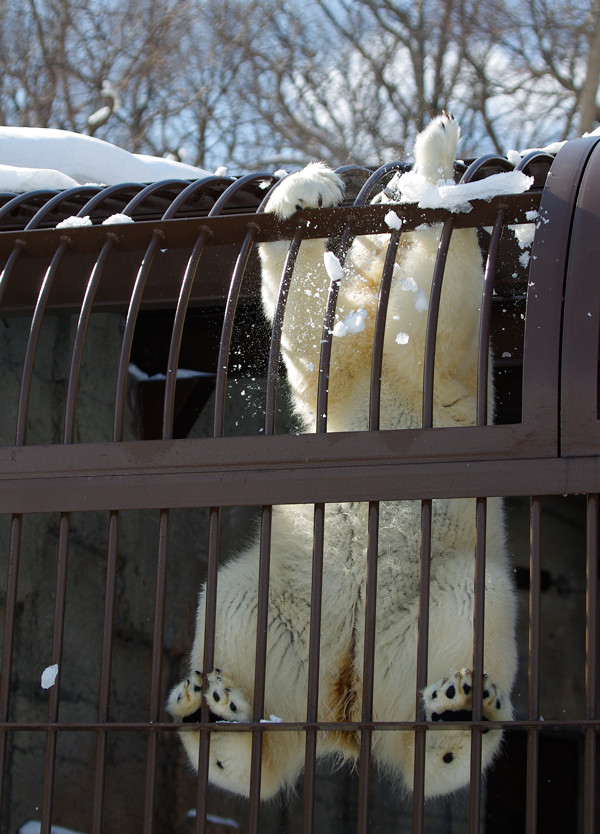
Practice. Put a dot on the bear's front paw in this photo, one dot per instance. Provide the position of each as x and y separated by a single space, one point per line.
314 186
226 701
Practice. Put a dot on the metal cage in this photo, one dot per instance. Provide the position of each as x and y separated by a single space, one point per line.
125 480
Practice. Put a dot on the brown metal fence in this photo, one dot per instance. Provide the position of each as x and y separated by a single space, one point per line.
124 483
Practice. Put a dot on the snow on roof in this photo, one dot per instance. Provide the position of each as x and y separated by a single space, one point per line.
38 158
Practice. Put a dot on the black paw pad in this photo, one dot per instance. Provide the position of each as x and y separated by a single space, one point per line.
232 707
216 696
448 757
219 764
451 691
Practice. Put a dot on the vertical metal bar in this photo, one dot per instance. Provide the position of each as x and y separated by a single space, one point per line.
422 658
432 320
105 672
57 651
368 668
265 539
113 537
20 436
426 517
157 649
373 543
478 650
215 518
8 640
485 321
208 663
533 705
260 662
317 572
164 523
313 668
591 667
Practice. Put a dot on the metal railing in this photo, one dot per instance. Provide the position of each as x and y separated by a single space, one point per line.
191 251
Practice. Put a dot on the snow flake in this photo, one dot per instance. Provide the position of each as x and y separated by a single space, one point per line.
49 676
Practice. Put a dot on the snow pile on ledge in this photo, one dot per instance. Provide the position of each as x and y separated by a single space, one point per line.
44 158
411 187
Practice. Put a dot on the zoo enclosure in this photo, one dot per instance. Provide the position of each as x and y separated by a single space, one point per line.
191 253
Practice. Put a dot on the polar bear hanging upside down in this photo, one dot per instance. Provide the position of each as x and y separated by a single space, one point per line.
229 686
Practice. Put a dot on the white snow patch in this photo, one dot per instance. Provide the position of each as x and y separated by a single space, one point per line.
392 220
221 171
49 676
415 188
333 267
524 233
408 284
353 323
115 219
40 158
74 222
421 302
272 719
402 338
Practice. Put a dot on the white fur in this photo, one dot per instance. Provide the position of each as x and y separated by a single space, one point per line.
453 527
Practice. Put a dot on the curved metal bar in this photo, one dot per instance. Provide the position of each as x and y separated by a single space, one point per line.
485 320
14 256
235 187
80 334
379 334
190 190
127 340
26 197
32 342
177 331
63 196
105 194
275 343
477 168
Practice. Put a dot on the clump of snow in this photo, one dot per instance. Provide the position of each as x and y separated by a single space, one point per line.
333 267
412 187
280 173
421 302
272 719
221 171
353 323
115 219
49 676
402 338
74 222
392 220
40 158
408 284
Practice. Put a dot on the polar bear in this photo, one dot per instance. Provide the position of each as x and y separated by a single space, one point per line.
228 688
